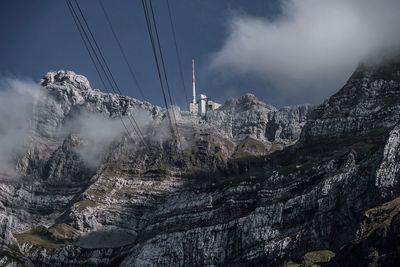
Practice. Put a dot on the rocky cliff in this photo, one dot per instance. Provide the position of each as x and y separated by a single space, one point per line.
249 184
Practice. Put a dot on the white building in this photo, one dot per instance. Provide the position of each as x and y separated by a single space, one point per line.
203 104
211 105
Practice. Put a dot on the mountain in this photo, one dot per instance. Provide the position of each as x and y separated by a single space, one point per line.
248 116
248 185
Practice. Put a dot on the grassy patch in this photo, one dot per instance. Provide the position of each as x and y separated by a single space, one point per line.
38 237
291 264
316 257
380 218
64 232
85 204
111 170
250 147
253 145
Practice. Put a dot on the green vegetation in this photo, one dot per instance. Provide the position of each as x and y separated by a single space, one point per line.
85 203
111 170
64 232
291 264
377 240
315 257
39 237
381 217
108 172
219 155
312 259
252 145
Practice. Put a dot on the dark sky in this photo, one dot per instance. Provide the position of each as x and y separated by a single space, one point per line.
39 35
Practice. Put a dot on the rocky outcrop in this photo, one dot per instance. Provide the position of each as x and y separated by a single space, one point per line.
377 240
388 172
230 190
366 104
248 116
312 259
68 94
287 123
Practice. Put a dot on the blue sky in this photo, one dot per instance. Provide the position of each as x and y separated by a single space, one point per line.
39 35
284 51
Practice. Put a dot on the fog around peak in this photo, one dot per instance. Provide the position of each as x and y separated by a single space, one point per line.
310 50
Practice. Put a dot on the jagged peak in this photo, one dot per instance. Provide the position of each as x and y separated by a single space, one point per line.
304 106
63 78
366 104
248 97
245 102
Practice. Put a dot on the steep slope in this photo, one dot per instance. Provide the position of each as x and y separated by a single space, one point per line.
93 194
237 195
248 116
377 241
367 102
306 198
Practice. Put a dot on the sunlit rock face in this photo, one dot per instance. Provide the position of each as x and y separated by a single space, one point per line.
67 94
247 185
248 116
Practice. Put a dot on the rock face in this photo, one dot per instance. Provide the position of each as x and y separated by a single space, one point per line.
368 102
248 185
377 241
248 116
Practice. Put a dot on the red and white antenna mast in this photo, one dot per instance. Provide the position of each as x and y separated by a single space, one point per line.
193 83
193 105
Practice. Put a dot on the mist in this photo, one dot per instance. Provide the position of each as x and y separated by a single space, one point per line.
98 132
26 110
17 100
311 48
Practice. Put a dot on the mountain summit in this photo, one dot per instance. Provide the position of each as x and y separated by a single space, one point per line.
247 185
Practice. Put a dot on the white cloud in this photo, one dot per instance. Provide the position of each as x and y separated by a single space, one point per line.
312 45
26 109
99 132
17 99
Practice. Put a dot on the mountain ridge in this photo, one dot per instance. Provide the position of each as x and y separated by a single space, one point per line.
259 186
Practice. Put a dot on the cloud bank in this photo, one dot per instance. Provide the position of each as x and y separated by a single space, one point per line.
27 110
312 47
99 132
17 99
